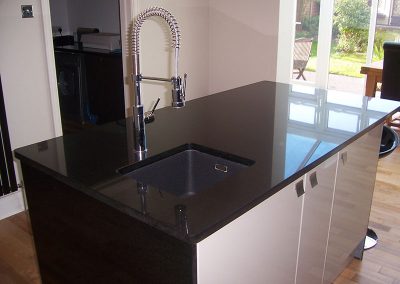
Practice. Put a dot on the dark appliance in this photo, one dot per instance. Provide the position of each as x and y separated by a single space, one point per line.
72 94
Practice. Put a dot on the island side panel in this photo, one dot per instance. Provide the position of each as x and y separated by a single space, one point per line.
355 182
79 239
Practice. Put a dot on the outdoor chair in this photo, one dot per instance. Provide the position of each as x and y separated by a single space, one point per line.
390 75
301 54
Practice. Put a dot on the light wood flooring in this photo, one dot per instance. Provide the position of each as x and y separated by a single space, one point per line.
18 263
380 265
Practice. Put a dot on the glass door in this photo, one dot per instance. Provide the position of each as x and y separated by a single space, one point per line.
387 26
306 40
349 44
342 33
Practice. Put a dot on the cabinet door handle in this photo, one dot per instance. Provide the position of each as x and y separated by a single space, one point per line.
299 188
343 157
313 179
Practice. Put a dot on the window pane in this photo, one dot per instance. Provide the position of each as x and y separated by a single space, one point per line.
302 113
296 158
305 47
351 21
343 121
387 26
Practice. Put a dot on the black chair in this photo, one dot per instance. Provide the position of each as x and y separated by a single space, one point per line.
390 90
389 142
391 71
390 76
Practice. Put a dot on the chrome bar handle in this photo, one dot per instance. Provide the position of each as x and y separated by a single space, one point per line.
155 78
343 157
299 187
313 179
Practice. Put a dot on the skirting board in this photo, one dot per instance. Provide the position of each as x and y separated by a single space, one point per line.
11 204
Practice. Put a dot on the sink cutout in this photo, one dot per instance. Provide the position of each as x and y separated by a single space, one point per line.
187 169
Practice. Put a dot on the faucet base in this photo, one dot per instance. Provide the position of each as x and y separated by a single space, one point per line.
178 104
140 155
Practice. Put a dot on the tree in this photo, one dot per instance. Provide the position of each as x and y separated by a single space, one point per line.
351 19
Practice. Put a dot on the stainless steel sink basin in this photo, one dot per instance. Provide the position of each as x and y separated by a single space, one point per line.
186 170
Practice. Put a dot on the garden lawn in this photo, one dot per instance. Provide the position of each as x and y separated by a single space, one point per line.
340 63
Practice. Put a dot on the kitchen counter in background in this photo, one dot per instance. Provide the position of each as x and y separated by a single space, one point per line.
78 48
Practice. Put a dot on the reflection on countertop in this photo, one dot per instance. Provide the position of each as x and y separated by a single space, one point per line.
285 129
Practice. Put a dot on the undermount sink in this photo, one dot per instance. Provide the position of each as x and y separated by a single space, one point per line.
186 170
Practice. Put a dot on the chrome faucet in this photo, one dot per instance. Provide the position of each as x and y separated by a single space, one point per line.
178 85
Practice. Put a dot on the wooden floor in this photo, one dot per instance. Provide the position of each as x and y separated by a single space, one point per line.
17 254
380 264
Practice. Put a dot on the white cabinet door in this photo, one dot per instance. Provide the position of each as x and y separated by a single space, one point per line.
355 183
317 207
258 247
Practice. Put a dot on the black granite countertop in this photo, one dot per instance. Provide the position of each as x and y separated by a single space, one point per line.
285 129
79 48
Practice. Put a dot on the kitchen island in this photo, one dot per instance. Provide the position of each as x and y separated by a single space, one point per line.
297 211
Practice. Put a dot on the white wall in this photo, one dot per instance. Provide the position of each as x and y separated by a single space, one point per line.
71 14
59 16
287 17
25 80
157 56
243 42
225 44
23 69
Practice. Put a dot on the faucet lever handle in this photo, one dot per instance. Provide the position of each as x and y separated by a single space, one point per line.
149 116
154 107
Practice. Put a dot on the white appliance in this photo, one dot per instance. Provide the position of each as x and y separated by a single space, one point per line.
109 41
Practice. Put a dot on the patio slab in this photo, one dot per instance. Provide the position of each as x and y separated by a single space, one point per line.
339 82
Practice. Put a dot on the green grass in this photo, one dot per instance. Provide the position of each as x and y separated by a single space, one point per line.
340 63
350 64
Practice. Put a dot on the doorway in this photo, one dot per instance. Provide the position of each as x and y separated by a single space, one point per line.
340 41
92 91
387 26
345 34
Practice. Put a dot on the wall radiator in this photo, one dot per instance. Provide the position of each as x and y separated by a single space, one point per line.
8 182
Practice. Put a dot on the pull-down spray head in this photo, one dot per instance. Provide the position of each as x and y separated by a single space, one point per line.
178 85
